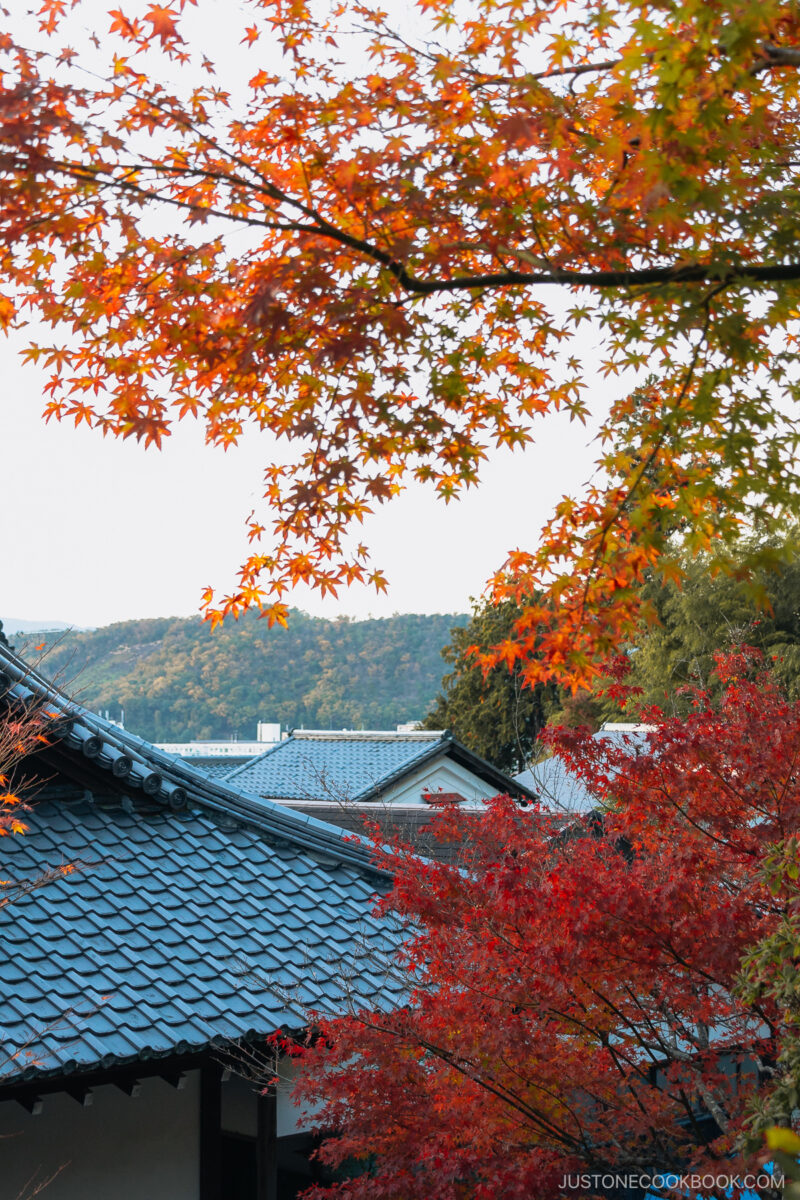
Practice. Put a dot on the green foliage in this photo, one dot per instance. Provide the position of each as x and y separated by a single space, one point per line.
710 613
784 1148
769 978
495 714
176 680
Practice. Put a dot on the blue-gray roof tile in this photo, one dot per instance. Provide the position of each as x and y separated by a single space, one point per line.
226 920
353 767
347 769
141 986
151 954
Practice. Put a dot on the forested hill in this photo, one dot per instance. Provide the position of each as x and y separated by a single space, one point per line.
176 680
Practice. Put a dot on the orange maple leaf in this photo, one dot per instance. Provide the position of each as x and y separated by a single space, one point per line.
7 311
163 22
121 24
276 614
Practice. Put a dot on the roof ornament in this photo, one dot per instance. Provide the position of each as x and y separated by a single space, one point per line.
3 639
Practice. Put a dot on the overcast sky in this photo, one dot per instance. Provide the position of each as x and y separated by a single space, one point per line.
96 531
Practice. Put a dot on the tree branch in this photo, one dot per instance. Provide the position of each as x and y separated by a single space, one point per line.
718 274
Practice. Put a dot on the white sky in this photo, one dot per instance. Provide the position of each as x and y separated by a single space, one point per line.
95 531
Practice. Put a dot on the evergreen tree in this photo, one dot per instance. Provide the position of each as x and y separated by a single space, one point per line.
499 717
495 714
714 612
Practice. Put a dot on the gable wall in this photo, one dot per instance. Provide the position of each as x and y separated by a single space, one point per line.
443 773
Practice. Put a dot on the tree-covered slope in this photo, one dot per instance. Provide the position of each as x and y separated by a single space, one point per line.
176 680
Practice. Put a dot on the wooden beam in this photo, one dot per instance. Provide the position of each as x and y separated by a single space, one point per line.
81 1094
131 1087
124 1075
267 1146
174 1078
210 1132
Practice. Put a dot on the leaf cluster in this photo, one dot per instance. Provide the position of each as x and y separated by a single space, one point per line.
495 713
712 607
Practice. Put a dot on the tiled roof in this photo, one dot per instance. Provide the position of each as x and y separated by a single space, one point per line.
335 767
120 760
200 914
143 951
561 791
216 768
355 767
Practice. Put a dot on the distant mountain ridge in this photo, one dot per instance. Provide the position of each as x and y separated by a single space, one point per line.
175 680
13 625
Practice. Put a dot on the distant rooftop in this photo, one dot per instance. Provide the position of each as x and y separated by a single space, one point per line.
358 766
346 763
213 749
217 768
221 756
559 789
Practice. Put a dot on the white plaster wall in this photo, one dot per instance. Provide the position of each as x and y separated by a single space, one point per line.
291 1118
444 775
121 1148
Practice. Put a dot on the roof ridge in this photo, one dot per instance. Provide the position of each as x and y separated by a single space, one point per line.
367 735
273 819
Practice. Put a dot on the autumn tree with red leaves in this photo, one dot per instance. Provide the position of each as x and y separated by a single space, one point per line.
575 997
378 234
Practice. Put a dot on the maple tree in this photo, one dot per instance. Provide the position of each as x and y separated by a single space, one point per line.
576 1001
389 237
17 738
22 731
